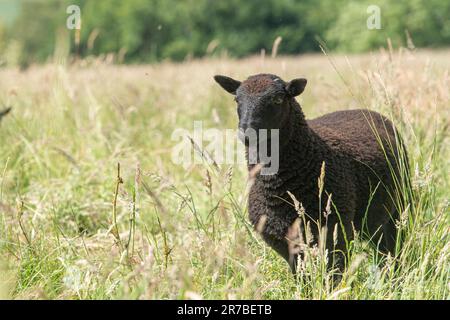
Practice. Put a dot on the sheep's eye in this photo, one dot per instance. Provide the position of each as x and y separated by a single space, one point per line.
278 100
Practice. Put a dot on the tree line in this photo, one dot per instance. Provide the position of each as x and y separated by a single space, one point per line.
155 30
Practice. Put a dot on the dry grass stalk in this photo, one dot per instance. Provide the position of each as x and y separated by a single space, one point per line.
115 228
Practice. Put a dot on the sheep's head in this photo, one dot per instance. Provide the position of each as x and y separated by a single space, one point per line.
263 100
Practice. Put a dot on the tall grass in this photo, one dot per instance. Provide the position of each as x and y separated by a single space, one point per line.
74 226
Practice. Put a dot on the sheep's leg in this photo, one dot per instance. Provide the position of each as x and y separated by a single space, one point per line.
385 235
337 247
280 247
389 238
293 262
384 238
378 226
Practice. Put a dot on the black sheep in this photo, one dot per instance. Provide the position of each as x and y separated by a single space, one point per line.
360 151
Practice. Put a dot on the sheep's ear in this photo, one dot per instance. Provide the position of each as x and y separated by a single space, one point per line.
229 84
296 86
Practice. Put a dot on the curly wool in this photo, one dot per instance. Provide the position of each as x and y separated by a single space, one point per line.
359 149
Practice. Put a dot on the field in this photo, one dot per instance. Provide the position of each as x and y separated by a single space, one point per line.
73 227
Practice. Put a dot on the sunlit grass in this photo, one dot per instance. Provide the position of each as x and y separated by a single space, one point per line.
187 228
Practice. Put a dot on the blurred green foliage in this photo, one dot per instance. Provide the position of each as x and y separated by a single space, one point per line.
153 30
